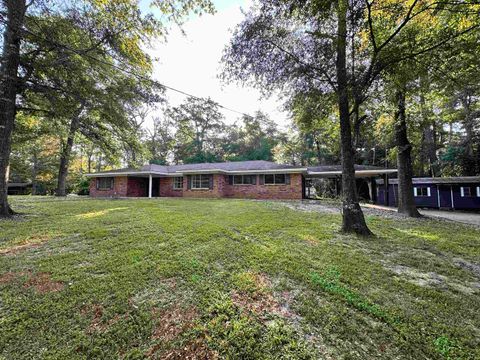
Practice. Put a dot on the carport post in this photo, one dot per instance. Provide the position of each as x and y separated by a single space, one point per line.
386 193
150 185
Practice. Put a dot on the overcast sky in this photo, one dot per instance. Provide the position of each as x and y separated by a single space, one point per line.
190 63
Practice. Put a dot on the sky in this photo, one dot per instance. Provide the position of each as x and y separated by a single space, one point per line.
191 62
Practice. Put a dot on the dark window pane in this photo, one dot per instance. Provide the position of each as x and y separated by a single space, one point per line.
105 183
280 179
237 179
269 179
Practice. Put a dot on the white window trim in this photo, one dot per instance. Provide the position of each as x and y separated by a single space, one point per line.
199 188
175 183
462 191
478 191
416 194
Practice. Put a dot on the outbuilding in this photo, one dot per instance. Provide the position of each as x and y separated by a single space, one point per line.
461 192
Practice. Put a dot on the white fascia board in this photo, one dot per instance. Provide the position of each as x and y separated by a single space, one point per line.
273 171
105 174
209 171
357 172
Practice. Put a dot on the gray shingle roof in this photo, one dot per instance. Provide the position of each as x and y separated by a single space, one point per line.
227 166
232 166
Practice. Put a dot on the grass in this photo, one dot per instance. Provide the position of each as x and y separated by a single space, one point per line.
232 279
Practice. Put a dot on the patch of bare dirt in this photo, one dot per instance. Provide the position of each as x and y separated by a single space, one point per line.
263 301
42 283
9 277
31 242
172 322
194 350
169 324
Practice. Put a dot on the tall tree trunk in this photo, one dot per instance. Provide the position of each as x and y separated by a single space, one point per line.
66 151
470 161
353 220
9 87
406 201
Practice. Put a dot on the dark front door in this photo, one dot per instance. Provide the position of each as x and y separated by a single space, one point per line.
155 187
445 196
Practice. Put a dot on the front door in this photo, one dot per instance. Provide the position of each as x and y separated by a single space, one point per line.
155 187
445 196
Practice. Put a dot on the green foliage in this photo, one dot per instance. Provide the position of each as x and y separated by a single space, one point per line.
238 336
330 282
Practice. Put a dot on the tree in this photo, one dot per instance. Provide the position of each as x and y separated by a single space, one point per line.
113 20
340 48
199 125
8 90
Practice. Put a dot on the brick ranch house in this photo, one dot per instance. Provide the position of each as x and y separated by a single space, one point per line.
243 179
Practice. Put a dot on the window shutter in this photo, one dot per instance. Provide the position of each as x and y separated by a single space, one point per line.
478 191
96 183
462 192
428 191
287 179
415 191
254 180
189 182
230 179
261 179
210 180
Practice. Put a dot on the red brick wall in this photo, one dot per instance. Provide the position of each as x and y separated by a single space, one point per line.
120 187
166 187
216 192
137 187
285 192
124 186
221 188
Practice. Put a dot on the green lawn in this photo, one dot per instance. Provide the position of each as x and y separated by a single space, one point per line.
232 279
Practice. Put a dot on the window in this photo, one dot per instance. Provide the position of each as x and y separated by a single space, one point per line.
178 183
245 179
277 179
105 183
422 191
469 191
201 182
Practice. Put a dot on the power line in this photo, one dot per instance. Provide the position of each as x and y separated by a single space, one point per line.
155 82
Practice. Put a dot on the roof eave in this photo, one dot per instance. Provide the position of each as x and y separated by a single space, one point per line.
357 172
118 173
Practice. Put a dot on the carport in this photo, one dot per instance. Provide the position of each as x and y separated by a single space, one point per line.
366 177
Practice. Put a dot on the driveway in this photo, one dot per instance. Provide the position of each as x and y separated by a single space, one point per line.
460 216
470 218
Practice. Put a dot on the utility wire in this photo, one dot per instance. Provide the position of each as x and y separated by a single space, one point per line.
127 71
